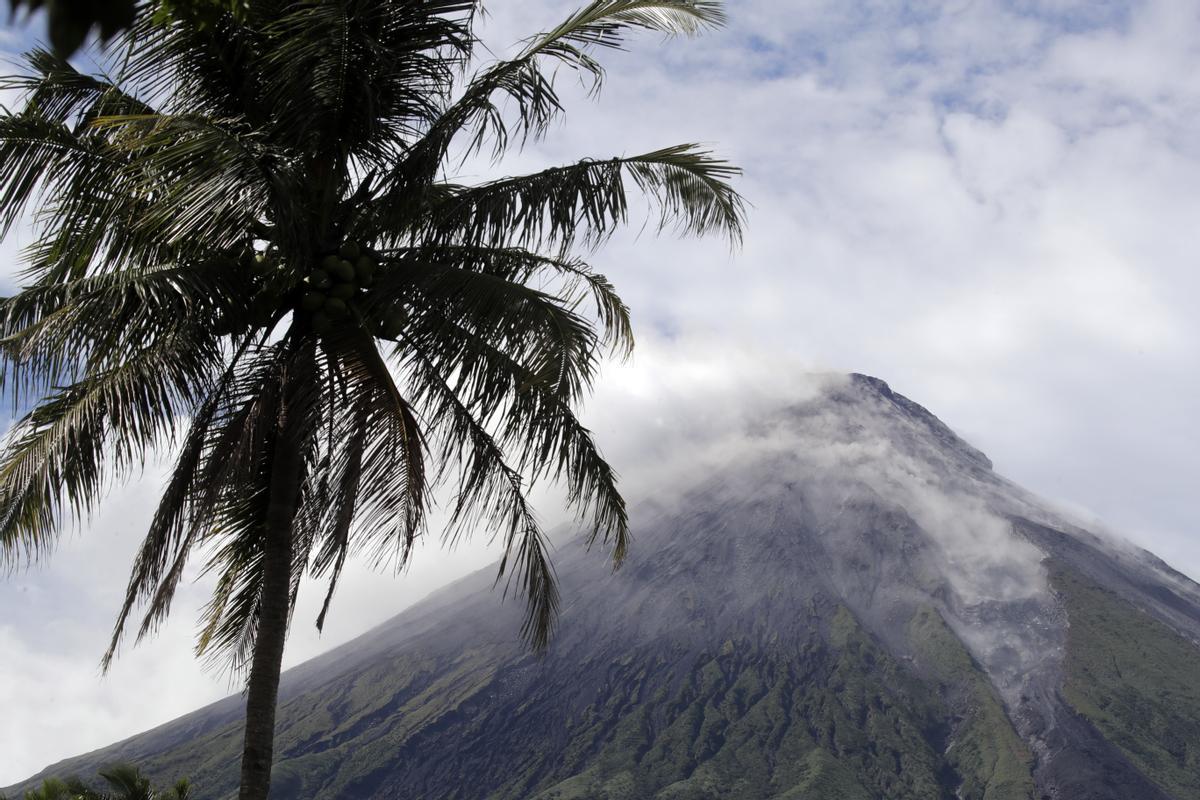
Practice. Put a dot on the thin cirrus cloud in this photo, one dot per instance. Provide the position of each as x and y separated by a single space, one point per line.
989 204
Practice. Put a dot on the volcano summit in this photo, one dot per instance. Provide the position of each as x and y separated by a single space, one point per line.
847 604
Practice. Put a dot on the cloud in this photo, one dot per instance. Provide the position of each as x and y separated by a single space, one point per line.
706 409
899 517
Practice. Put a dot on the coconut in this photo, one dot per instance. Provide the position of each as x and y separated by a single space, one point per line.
223 264
335 307
68 27
329 263
311 301
112 16
343 291
319 279
344 271
364 269
392 325
223 325
349 250
321 322
262 310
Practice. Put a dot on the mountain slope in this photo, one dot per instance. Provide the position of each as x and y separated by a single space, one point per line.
843 602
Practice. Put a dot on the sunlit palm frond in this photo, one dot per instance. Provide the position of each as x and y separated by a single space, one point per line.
202 179
58 331
58 92
140 189
43 157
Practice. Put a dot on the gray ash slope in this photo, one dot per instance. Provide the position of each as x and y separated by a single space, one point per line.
844 601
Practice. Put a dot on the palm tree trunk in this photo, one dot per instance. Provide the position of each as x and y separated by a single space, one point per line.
262 690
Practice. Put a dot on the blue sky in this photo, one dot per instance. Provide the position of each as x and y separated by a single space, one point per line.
992 205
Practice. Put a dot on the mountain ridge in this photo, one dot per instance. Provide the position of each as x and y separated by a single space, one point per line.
846 569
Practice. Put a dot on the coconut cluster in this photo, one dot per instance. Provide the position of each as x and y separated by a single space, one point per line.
334 292
333 289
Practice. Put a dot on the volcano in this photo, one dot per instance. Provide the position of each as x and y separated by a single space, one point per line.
849 604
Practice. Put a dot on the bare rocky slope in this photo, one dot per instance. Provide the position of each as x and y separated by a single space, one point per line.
848 604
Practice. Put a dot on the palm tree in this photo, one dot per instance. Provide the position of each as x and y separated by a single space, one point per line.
251 252
125 782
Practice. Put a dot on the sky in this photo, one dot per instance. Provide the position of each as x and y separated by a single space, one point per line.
991 204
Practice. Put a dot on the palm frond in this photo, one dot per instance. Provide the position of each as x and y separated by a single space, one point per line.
553 207
56 91
524 81
128 782
43 157
490 494
208 69
347 478
211 451
558 345
518 357
373 469
60 330
285 414
561 276
202 178
363 77
58 456
532 421
392 488
136 188
229 622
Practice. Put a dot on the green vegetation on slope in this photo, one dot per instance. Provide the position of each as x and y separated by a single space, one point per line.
986 752
122 782
1136 680
827 720
833 716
